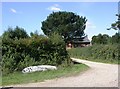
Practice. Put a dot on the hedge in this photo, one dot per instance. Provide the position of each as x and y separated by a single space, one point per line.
18 54
108 53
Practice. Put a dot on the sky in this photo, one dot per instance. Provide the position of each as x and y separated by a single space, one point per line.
29 15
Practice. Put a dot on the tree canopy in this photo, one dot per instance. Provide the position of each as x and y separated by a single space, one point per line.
106 39
65 24
15 33
100 39
115 38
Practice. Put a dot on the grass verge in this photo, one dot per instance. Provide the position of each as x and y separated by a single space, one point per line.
20 78
86 54
98 60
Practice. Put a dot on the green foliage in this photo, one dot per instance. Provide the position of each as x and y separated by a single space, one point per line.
35 34
15 33
64 23
27 61
116 25
105 53
0 41
106 39
101 39
56 39
37 50
0 52
115 38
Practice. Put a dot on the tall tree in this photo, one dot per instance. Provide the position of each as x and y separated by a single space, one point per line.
116 25
65 24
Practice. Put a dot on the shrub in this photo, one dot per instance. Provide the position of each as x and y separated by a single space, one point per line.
20 53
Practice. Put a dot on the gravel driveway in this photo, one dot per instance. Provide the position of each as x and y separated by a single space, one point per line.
99 75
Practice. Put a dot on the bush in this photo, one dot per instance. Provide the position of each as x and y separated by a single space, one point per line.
20 53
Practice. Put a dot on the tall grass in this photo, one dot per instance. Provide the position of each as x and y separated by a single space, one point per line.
101 53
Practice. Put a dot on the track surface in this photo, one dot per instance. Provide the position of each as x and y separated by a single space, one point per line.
99 75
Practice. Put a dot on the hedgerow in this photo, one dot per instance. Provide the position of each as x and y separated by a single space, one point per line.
18 54
108 53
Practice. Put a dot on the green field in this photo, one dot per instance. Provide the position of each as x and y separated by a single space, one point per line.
19 77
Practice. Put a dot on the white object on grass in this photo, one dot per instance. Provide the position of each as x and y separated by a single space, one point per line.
38 68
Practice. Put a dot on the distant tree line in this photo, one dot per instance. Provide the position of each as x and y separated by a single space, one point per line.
106 39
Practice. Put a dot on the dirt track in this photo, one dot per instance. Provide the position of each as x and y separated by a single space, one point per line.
99 75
